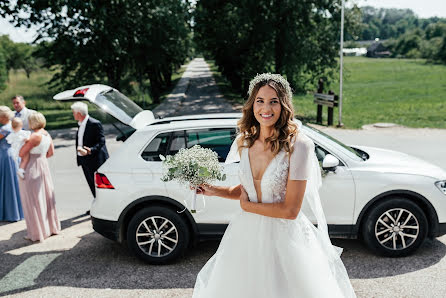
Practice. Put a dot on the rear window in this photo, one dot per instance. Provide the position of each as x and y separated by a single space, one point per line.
218 140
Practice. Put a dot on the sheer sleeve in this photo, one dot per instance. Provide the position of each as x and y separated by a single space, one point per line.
300 159
233 155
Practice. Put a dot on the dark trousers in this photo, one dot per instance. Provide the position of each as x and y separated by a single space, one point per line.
89 175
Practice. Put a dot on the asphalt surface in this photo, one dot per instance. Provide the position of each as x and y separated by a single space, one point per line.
81 263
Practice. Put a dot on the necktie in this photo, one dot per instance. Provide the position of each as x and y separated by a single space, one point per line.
17 114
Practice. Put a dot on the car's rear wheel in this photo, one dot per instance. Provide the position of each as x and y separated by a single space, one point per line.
395 227
157 235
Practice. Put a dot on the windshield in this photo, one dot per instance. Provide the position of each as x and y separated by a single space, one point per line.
350 149
118 105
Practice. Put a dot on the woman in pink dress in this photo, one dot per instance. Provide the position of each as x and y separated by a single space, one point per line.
37 190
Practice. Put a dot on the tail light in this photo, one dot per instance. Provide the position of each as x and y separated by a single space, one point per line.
80 92
102 181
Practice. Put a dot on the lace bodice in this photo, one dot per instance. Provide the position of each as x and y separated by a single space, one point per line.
43 147
275 177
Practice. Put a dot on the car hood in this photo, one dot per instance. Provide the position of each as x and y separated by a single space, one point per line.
390 161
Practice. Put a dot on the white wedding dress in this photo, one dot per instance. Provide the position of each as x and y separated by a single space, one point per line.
261 256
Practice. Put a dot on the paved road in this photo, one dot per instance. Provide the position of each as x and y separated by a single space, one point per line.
81 263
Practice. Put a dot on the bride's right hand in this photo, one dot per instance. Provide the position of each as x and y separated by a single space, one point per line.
206 189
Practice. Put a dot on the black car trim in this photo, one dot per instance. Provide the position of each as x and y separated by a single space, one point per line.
107 228
441 229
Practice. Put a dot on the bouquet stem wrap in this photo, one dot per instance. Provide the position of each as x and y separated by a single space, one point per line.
194 202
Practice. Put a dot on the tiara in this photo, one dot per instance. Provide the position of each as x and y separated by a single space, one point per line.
273 77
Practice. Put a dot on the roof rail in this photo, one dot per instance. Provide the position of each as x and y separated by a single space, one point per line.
197 117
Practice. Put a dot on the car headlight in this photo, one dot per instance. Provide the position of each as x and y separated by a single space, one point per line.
441 186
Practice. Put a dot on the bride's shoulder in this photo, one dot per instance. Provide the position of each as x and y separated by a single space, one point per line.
302 142
234 153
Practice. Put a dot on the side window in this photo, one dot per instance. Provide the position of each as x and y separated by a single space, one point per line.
216 139
156 147
178 141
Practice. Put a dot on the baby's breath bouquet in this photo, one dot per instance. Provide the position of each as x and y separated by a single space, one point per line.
192 167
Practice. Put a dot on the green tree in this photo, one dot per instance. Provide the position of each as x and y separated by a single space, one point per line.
3 70
113 41
18 55
296 38
441 53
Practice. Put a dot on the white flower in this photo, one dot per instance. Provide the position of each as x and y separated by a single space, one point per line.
270 76
193 166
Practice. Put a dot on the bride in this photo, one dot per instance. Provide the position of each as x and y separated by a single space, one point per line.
271 249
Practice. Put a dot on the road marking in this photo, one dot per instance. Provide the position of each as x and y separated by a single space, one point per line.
24 274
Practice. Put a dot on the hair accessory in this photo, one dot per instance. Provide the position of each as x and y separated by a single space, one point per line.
273 77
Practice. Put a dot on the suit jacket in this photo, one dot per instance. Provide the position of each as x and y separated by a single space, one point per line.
95 139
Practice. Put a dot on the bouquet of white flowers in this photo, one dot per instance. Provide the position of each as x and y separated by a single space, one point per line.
192 167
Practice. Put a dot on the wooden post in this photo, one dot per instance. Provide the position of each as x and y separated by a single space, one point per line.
330 112
320 89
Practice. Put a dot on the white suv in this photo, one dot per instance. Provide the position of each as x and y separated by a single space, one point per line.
391 200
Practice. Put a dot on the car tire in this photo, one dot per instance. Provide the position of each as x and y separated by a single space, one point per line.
395 227
157 235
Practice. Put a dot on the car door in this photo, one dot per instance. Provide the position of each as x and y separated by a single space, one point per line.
149 172
209 209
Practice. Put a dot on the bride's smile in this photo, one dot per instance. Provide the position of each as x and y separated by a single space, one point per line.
267 106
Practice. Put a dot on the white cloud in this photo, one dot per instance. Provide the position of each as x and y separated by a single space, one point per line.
423 9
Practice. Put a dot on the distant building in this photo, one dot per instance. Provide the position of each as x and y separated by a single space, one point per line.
377 50
354 51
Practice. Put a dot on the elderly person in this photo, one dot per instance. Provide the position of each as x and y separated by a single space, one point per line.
91 151
37 189
21 111
10 207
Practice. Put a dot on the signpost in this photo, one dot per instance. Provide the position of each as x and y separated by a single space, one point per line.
341 64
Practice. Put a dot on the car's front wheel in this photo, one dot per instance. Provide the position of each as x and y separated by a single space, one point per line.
157 235
395 227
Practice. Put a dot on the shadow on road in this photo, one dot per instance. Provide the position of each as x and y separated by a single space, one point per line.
96 262
363 264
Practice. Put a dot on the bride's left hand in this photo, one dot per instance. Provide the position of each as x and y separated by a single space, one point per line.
243 197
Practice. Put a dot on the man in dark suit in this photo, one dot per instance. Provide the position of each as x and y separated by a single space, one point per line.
90 143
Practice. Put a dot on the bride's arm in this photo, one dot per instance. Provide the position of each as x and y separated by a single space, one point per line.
288 209
228 192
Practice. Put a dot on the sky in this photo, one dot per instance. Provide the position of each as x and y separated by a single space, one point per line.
423 8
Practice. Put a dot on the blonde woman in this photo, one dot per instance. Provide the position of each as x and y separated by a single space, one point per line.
271 249
10 207
37 190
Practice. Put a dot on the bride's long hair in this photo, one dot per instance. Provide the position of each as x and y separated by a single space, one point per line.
285 127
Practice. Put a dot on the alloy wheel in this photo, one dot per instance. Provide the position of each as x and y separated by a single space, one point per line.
397 229
157 236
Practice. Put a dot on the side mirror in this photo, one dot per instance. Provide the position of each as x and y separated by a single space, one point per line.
330 163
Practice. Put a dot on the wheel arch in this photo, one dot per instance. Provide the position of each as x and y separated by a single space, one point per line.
148 201
418 199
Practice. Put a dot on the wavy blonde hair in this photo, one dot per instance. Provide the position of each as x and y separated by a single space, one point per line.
285 127
36 120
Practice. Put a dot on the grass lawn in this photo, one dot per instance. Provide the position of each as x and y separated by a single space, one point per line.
403 91
58 114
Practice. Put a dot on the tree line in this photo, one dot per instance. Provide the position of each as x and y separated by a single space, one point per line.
298 39
404 34
126 42
116 42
